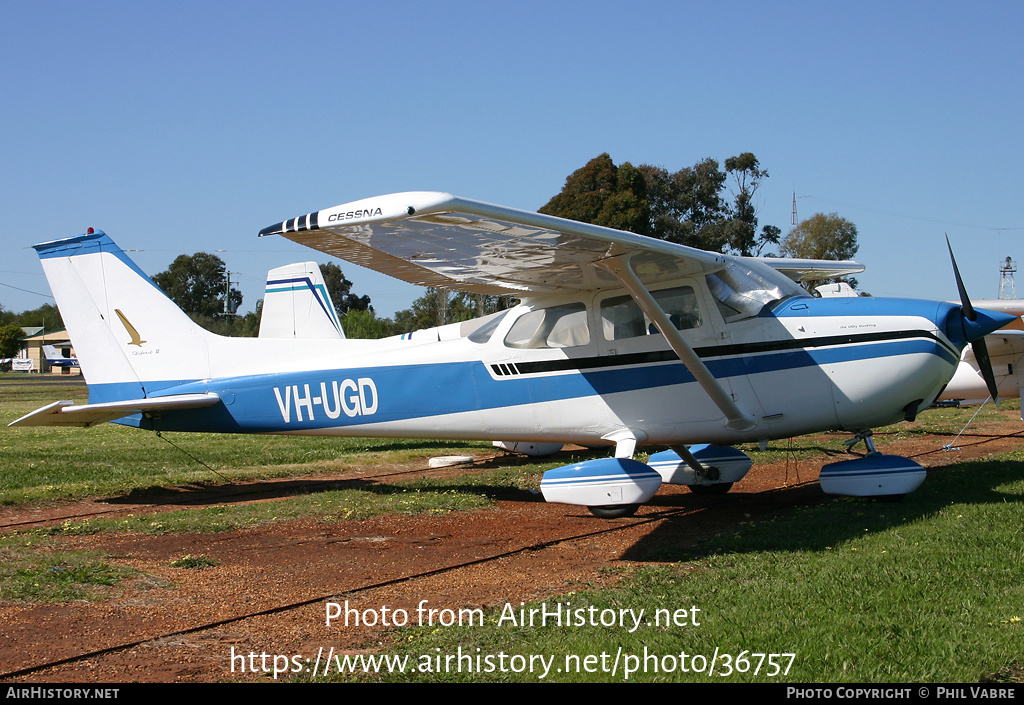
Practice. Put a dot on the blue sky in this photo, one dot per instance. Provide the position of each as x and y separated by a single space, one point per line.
188 126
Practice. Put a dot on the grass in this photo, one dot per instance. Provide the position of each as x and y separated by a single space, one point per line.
31 571
417 497
48 463
39 465
928 590
191 562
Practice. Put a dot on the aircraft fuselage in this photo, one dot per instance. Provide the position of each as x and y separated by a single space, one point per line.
808 364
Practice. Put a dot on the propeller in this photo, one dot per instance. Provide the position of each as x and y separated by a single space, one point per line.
978 343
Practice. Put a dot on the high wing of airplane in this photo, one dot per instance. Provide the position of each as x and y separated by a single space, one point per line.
619 340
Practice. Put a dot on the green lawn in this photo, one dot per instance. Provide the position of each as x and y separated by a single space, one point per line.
927 590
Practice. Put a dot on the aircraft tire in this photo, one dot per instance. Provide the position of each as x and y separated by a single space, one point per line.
717 488
614 511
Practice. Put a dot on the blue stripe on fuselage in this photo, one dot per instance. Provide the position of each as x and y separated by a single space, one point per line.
389 394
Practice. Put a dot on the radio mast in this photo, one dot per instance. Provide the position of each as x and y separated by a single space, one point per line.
1006 270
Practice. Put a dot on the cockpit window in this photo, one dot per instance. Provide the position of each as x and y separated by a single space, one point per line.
622 318
562 326
743 288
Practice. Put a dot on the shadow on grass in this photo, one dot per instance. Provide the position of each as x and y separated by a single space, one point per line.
804 519
200 496
228 493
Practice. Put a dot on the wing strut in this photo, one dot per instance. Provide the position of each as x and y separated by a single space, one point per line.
619 267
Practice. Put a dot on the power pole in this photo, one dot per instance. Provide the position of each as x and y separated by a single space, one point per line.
227 294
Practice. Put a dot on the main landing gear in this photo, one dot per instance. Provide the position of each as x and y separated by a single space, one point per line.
612 488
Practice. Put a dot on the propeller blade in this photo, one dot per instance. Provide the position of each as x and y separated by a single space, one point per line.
978 345
965 300
985 365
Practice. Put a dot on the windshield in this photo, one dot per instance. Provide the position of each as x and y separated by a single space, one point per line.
743 288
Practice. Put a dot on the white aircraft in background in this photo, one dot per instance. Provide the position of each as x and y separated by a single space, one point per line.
56 359
296 304
1006 358
620 340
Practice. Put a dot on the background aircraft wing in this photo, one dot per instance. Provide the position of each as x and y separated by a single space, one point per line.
812 269
436 239
1011 306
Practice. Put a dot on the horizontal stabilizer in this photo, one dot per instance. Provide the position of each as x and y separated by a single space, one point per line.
67 413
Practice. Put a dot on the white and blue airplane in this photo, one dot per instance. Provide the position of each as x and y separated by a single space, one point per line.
619 340
55 359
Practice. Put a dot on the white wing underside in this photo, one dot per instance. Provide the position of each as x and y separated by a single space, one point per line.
812 269
435 239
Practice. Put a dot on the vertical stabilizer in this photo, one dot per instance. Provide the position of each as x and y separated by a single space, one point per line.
297 305
130 338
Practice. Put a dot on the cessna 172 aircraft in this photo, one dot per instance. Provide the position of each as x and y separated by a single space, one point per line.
620 340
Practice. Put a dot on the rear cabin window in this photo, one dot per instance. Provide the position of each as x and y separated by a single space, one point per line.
621 317
562 326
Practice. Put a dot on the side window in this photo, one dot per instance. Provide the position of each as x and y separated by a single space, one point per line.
622 318
553 327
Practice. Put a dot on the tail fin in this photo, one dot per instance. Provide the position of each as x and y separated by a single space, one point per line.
130 338
297 305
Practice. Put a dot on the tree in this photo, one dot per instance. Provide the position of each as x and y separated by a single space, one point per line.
10 339
689 206
822 237
46 316
196 283
604 194
742 231
340 290
363 323
686 204
437 307
6 316
248 326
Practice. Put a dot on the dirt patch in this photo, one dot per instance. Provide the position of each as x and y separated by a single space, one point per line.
268 592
